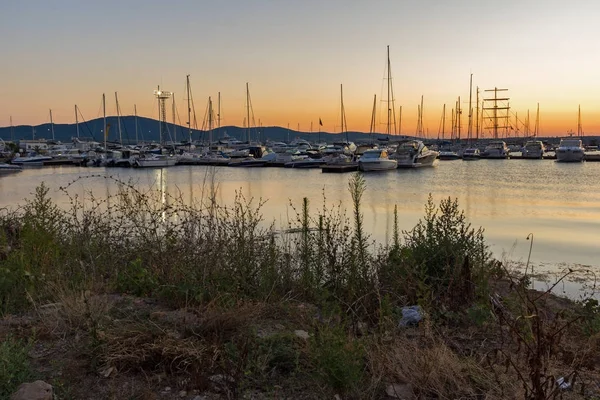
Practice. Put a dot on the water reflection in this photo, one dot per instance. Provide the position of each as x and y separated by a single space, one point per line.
559 203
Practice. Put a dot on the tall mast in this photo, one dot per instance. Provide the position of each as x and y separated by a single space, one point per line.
400 122
219 114
372 127
247 113
104 117
344 124
458 115
537 121
160 125
76 121
453 130
444 121
210 121
119 120
51 125
389 81
189 109
174 122
477 119
136 123
579 130
421 118
417 133
470 128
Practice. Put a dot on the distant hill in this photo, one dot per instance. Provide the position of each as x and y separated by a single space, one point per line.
148 130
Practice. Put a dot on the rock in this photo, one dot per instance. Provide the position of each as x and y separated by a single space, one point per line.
302 334
166 390
107 371
402 391
411 316
182 394
38 390
220 379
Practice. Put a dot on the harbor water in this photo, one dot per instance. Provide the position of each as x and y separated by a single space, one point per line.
558 203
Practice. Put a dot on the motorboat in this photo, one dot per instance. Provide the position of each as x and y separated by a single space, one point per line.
258 156
570 150
414 154
6 169
155 161
376 160
448 155
30 159
533 149
496 149
306 162
471 153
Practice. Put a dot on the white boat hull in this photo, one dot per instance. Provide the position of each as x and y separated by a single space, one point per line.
429 160
533 155
377 165
568 155
169 162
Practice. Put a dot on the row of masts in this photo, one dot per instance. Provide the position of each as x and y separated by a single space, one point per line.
494 110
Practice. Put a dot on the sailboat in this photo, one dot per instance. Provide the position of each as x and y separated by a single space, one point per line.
378 159
472 152
341 153
446 152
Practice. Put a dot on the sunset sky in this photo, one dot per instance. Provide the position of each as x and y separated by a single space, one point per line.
295 55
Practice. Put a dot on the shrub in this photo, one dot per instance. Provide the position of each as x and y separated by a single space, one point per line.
14 366
449 257
338 359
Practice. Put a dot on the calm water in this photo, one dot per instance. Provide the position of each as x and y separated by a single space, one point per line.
558 203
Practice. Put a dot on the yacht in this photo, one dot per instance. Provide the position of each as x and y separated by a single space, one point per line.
376 160
30 159
448 155
414 154
472 153
570 150
155 161
6 169
533 149
496 149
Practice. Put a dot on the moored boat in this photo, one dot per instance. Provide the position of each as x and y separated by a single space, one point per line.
155 161
472 153
533 150
570 150
30 159
496 149
414 154
6 169
376 160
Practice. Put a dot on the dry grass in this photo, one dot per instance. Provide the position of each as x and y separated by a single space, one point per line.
432 368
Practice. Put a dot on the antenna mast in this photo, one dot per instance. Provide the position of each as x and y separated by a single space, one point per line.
162 97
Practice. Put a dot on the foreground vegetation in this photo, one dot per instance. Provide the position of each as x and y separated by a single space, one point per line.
125 296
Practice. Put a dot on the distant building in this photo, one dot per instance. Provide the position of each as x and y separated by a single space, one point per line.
33 145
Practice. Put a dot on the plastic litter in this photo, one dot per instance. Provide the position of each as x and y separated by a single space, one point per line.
411 315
